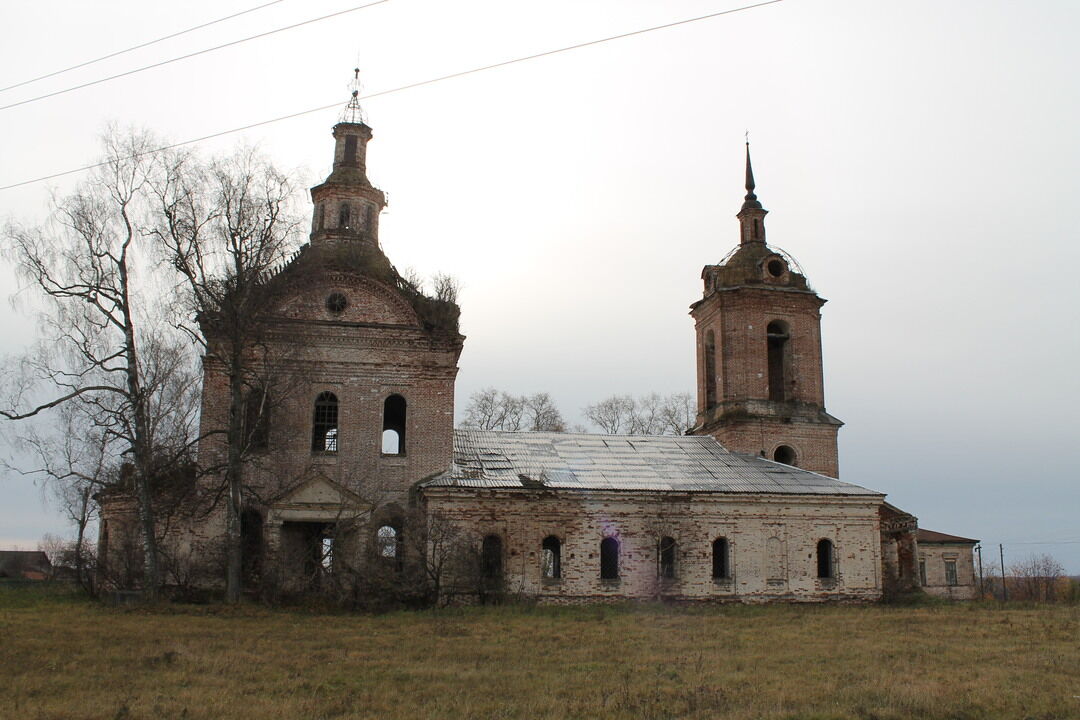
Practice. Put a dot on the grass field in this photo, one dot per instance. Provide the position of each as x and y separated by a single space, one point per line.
62 657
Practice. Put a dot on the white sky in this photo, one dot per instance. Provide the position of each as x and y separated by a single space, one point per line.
919 159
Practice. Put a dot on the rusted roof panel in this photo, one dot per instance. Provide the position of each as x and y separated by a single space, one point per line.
574 461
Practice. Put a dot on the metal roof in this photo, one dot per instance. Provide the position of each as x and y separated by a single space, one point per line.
933 536
573 461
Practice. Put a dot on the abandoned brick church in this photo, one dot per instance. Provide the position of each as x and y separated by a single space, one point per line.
354 453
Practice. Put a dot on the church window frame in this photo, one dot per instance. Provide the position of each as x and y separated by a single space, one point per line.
952 579
667 554
344 218
778 349
349 157
710 369
395 421
826 559
324 426
609 559
491 557
786 455
721 559
336 302
551 558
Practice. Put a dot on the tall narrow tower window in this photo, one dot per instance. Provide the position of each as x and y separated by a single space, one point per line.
343 216
778 338
710 370
350 150
393 437
324 426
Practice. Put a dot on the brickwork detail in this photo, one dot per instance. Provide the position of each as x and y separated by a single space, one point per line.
639 520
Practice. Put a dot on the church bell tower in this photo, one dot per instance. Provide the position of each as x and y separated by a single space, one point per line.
758 325
347 205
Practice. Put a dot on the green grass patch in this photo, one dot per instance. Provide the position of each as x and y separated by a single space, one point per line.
64 657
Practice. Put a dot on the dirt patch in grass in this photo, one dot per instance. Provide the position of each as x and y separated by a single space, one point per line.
75 659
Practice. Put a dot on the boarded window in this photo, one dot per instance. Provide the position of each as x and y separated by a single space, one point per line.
393 437
950 573
667 552
721 566
825 568
551 557
324 427
609 559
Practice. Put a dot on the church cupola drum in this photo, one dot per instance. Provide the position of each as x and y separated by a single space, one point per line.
758 325
347 205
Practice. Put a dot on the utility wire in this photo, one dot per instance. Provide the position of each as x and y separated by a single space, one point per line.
405 87
191 55
140 46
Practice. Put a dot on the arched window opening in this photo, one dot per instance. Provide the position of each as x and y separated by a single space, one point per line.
324 426
320 212
343 216
825 559
721 565
710 370
256 419
491 557
667 554
551 558
389 545
393 437
609 559
777 336
784 454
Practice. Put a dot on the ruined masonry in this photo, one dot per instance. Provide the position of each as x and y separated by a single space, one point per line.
354 469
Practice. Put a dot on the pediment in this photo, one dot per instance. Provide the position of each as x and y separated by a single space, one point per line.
357 299
318 492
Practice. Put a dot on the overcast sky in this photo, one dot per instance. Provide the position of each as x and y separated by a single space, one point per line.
919 159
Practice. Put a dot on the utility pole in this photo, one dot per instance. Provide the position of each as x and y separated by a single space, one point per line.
982 584
1004 587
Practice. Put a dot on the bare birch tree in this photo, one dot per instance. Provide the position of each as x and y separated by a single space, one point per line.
86 266
491 409
225 226
651 414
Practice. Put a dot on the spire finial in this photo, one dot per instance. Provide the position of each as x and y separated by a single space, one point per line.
750 201
353 113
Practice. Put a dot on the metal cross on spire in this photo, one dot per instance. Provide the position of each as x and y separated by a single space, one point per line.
353 113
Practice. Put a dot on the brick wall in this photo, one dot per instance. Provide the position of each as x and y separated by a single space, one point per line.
638 520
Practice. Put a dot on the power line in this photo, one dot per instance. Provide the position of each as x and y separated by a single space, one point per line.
410 86
141 45
191 55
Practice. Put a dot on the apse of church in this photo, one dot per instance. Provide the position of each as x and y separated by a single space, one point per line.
758 326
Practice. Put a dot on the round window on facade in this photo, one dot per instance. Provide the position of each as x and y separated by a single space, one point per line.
784 454
776 267
336 303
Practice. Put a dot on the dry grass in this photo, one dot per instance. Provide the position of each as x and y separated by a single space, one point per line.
64 658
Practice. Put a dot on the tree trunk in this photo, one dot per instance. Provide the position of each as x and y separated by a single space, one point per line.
234 478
